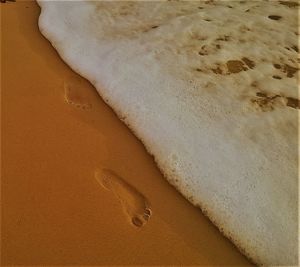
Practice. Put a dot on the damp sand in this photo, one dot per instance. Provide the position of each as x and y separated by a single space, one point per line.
77 187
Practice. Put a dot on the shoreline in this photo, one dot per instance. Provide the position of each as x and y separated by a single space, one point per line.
54 211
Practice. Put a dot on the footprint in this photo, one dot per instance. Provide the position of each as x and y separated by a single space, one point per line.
134 204
75 94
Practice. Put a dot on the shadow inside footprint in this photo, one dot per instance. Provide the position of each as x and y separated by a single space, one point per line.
134 204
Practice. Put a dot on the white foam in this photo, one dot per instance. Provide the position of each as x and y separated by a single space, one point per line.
227 150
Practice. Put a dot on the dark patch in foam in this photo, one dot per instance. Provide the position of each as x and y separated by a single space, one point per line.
293 102
248 62
267 102
295 48
264 102
235 66
209 2
224 38
277 66
217 70
274 17
260 94
289 4
4 1
289 70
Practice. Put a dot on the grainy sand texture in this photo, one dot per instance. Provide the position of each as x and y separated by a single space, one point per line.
57 134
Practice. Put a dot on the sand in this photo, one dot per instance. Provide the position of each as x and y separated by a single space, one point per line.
56 132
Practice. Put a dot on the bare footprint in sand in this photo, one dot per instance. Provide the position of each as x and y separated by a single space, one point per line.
74 93
134 204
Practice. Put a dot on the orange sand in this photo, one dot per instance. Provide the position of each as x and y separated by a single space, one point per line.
53 209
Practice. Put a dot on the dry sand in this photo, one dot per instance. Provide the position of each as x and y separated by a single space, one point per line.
56 131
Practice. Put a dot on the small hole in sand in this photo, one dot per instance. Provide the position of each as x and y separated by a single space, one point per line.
277 77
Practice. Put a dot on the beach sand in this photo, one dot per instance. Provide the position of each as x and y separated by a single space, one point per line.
56 133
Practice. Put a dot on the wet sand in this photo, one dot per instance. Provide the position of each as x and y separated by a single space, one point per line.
56 133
